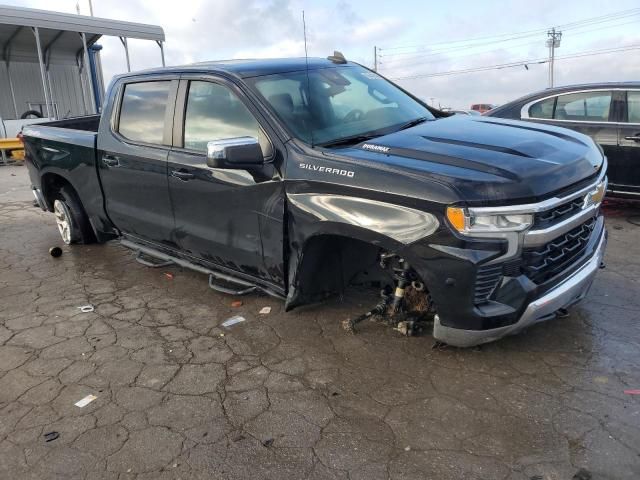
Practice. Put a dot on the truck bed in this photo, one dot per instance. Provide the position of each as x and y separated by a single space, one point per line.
66 149
88 123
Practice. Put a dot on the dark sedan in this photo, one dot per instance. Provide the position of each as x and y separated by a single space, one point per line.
607 112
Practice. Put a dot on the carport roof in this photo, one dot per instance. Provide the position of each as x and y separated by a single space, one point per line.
60 33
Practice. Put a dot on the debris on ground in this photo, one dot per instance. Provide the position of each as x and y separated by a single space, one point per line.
632 392
85 401
86 308
265 310
233 320
55 252
236 303
51 436
169 275
268 442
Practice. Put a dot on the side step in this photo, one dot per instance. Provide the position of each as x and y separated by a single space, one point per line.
218 281
147 262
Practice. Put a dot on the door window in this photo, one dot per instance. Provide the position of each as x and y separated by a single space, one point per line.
215 113
543 109
633 107
585 106
143 110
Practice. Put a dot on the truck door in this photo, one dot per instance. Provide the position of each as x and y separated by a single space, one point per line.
628 163
132 157
229 217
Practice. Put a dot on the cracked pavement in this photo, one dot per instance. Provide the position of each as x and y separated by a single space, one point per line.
291 395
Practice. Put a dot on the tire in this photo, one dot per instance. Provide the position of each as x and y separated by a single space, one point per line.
73 224
31 114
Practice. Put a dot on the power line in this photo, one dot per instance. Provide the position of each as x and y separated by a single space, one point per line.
518 35
519 63
397 62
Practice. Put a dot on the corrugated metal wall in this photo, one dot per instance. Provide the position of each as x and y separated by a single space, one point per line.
27 84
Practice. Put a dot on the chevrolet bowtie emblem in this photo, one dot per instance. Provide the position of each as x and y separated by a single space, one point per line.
595 196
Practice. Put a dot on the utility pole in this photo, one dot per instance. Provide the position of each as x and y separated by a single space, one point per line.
375 58
553 42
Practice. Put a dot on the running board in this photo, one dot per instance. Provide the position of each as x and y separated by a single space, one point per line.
248 288
242 287
149 263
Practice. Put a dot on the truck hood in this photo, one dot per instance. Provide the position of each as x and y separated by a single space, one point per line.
487 160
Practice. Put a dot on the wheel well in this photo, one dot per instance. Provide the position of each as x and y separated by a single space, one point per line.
330 263
51 184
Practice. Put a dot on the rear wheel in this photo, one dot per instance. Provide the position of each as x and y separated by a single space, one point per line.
72 221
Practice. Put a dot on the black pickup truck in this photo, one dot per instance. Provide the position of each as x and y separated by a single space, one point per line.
299 177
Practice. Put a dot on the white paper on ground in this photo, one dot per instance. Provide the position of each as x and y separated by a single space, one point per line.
265 310
233 320
85 401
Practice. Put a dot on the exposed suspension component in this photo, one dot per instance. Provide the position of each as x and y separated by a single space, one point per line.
406 306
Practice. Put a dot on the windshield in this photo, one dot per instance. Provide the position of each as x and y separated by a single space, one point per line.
338 103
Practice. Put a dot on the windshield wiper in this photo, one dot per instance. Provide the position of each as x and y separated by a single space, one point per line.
413 123
349 140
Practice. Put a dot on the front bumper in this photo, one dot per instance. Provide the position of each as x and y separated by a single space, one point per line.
566 293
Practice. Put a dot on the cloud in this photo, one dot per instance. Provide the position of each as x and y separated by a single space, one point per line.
200 30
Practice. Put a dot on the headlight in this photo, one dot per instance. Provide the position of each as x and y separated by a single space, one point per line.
465 222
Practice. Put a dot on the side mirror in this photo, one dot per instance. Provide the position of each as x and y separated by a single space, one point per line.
240 152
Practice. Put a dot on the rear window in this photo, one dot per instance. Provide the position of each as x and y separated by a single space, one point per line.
143 110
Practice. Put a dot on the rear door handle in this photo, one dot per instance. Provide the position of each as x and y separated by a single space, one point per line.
182 175
111 160
635 138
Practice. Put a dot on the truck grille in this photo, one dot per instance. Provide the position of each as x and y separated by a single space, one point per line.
544 262
487 279
557 214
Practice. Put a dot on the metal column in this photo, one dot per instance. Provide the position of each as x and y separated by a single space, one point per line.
160 44
13 93
88 70
36 32
126 51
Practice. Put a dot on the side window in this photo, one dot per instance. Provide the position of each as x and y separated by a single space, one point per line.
633 107
543 109
214 112
142 111
586 106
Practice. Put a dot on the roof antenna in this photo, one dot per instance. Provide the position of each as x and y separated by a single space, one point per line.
306 61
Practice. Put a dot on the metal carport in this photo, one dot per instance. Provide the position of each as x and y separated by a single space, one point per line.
45 38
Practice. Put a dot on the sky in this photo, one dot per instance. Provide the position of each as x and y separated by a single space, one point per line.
415 39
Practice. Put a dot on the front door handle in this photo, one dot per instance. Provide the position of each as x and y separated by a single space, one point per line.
182 175
111 160
635 138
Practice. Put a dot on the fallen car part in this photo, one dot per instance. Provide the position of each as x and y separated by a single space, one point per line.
242 286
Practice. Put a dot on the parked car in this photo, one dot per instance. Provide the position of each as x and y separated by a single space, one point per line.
607 112
299 179
482 107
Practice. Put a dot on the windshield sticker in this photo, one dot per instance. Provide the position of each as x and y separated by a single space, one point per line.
375 148
333 171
